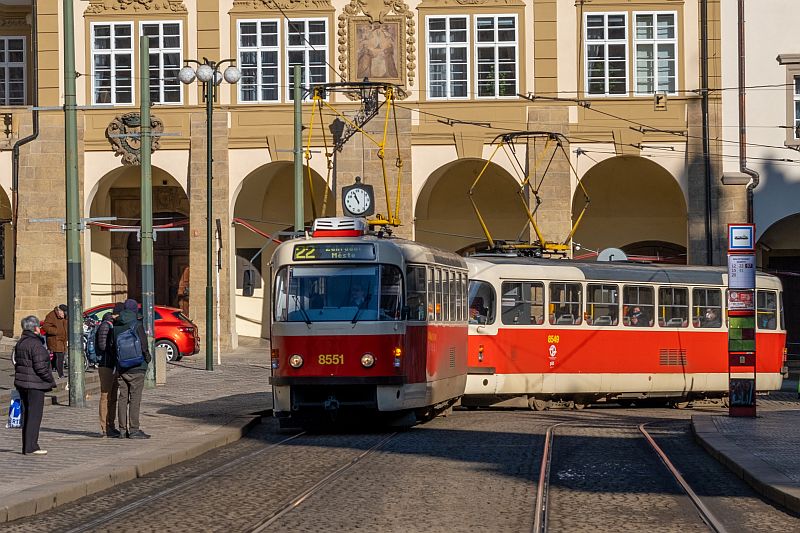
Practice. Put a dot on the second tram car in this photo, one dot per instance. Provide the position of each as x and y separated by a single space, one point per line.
368 324
548 330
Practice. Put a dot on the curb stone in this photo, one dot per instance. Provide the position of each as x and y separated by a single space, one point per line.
760 475
37 500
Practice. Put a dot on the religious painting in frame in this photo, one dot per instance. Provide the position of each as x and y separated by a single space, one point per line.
378 49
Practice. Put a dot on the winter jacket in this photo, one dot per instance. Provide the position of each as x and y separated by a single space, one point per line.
122 323
32 363
104 343
56 330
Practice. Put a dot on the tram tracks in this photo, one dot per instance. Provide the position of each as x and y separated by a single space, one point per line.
542 507
314 483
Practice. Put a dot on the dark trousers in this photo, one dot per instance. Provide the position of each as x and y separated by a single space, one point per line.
32 409
58 363
130 398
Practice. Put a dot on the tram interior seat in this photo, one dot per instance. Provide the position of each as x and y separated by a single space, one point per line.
565 319
675 322
604 320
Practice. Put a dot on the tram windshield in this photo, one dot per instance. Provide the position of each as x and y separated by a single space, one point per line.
338 293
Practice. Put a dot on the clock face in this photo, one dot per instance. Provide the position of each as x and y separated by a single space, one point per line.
357 201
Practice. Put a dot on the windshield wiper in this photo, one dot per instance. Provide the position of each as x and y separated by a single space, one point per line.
306 318
364 304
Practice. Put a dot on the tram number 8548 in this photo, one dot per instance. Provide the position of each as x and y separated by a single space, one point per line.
331 359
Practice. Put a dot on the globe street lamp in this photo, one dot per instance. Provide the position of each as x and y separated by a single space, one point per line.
208 73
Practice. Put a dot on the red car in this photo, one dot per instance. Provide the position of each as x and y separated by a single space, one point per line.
174 330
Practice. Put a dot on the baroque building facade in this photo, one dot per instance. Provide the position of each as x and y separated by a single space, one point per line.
617 81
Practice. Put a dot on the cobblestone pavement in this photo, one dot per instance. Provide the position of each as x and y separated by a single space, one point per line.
471 471
193 404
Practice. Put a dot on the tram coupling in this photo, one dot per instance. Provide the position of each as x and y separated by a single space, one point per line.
331 404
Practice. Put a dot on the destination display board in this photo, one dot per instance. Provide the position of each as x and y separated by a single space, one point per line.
315 251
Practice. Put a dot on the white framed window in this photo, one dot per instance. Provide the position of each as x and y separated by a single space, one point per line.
112 63
606 54
496 56
656 50
259 52
448 57
12 71
796 130
307 46
166 59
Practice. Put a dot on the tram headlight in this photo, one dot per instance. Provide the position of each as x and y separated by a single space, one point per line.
367 360
296 361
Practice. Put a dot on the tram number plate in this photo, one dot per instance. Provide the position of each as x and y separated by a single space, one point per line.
331 359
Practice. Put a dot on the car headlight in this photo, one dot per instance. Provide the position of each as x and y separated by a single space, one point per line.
367 360
296 361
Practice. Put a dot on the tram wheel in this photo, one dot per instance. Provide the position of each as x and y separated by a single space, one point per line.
725 401
680 405
538 405
578 405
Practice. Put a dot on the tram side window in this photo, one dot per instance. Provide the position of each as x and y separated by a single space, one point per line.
431 294
522 303
481 303
464 296
457 285
783 318
446 295
767 310
565 304
638 305
706 308
415 299
602 305
438 294
391 303
673 307
453 298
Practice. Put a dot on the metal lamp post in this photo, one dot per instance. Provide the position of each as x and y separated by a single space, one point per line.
208 73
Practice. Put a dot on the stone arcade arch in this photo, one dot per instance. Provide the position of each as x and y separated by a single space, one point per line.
6 265
444 216
114 271
780 253
636 205
266 200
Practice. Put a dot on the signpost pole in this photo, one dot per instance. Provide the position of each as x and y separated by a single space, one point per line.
741 320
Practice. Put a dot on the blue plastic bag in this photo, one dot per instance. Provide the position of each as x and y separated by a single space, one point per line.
14 414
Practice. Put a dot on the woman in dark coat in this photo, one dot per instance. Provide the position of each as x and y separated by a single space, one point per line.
32 378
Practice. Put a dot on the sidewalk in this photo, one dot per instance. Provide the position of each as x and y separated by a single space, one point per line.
195 412
763 451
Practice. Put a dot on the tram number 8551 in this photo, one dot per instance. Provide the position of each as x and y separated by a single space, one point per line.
331 359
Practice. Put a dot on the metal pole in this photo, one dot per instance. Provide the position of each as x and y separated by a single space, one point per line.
148 277
299 214
209 223
216 286
74 277
706 143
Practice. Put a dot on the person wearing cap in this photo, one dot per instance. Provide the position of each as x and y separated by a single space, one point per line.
109 384
54 327
131 380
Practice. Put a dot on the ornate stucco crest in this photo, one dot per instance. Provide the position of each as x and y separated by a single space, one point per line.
129 148
276 5
136 6
377 41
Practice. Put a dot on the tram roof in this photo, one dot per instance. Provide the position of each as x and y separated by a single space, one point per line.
612 270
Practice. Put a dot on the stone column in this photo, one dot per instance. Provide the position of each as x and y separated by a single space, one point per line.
554 216
359 157
197 222
41 279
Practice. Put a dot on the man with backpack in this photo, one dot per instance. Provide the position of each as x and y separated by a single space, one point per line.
133 356
107 361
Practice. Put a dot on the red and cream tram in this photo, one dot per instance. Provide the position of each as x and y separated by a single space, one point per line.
365 323
548 330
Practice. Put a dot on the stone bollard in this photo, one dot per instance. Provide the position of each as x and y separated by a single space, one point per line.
161 365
